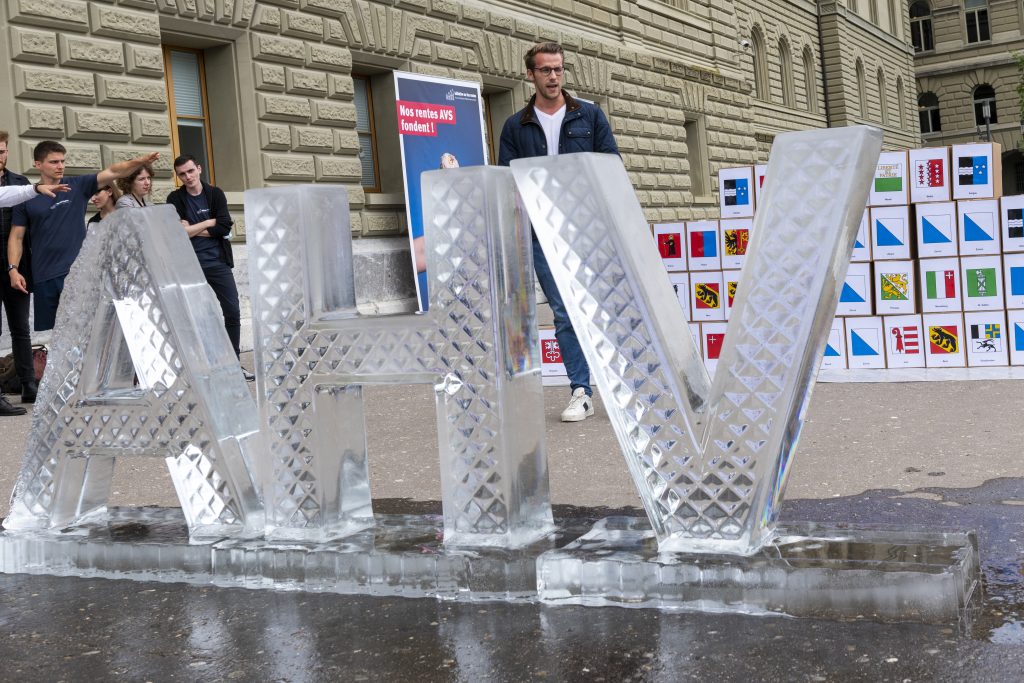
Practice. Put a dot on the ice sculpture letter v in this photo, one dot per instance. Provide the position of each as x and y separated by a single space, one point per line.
710 462
140 365
476 345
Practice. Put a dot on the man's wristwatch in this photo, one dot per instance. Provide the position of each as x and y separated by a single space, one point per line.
11 267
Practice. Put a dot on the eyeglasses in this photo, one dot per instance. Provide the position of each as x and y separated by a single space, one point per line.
548 70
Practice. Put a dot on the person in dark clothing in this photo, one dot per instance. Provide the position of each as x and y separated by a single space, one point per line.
203 210
553 122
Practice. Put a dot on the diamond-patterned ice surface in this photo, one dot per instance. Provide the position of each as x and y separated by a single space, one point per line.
710 462
140 364
475 345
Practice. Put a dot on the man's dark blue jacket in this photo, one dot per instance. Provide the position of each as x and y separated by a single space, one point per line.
584 129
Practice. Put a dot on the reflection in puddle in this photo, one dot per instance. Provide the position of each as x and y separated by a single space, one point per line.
1010 633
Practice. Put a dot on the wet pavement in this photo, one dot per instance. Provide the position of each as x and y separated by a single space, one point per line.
916 455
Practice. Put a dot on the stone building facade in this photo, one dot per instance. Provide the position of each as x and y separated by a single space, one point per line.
293 90
964 57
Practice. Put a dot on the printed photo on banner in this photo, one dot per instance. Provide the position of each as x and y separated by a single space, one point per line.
440 125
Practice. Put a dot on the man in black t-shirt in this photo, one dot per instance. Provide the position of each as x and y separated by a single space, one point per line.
203 210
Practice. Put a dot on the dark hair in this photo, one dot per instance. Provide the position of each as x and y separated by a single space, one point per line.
115 194
4 136
546 48
125 184
184 159
46 148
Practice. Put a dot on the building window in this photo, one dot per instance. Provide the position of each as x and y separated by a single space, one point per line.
810 81
188 106
894 17
862 90
883 96
786 73
976 15
921 27
761 90
901 104
984 94
928 109
873 11
697 155
363 99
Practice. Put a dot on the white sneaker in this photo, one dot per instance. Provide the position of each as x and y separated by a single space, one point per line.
580 407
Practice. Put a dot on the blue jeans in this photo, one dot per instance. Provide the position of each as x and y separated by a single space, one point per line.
572 355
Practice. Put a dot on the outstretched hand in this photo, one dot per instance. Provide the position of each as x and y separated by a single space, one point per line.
51 190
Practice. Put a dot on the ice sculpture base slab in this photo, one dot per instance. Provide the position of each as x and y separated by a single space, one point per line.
401 556
809 570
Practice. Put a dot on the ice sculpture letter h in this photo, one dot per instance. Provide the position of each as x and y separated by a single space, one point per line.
476 345
710 460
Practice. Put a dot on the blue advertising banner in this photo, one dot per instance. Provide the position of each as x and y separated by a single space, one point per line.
440 125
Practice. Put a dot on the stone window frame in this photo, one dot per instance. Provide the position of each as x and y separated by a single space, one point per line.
921 35
873 11
883 96
894 27
976 17
987 94
370 131
172 114
810 80
786 73
697 155
759 51
901 96
929 111
862 89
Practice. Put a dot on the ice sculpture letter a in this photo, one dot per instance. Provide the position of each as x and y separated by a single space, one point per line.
140 365
710 460
476 345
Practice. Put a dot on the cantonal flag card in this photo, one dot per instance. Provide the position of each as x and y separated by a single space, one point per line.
939 280
985 338
982 282
944 340
1011 214
702 244
904 341
929 175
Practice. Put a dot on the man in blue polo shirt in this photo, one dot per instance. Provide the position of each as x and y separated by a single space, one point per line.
56 227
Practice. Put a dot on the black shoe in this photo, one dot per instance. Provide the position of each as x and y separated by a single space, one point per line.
28 391
249 377
7 409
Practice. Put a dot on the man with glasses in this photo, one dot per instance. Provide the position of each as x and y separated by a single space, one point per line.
554 122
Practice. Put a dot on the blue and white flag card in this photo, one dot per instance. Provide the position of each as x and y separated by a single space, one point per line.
1015 336
1013 280
985 339
835 348
929 175
944 340
862 244
976 171
979 227
937 233
703 250
865 343
1011 215
855 295
895 285
904 341
736 192
981 279
671 241
889 186
939 285
890 232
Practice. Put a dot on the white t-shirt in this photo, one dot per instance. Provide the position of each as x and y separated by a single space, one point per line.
552 125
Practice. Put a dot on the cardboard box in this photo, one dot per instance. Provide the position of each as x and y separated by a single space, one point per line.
712 338
855 295
889 187
904 341
982 280
977 171
735 240
552 371
1015 336
835 348
985 341
671 241
937 233
1013 280
707 293
1011 215
865 346
940 285
929 175
702 238
695 333
736 192
731 279
979 227
759 173
681 286
862 244
890 232
895 286
944 340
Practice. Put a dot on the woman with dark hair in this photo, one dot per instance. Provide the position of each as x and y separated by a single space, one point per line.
135 188
105 202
